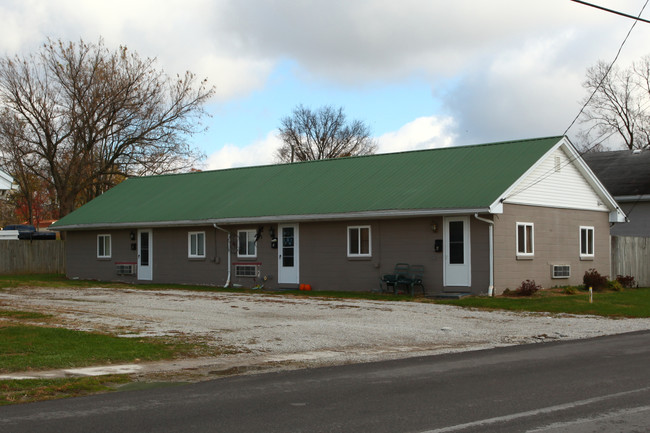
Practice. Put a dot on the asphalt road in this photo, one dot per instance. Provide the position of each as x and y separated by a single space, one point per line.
595 385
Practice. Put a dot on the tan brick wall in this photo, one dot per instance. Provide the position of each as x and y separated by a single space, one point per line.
556 241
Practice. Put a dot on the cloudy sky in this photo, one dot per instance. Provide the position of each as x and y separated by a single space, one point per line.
420 73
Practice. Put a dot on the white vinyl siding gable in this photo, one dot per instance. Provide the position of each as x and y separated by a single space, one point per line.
565 187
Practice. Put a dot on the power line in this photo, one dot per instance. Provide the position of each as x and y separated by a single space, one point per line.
570 160
612 11
609 68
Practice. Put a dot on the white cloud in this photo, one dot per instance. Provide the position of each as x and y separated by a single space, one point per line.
354 42
261 152
233 76
518 65
523 92
179 33
422 133
234 42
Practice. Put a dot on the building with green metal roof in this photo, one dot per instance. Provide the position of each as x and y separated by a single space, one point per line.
465 219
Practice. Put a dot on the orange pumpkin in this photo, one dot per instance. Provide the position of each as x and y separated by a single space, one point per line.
302 287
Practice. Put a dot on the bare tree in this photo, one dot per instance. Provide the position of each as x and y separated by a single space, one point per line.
82 118
621 102
322 134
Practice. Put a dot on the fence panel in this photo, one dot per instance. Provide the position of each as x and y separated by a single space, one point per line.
32 257
631 256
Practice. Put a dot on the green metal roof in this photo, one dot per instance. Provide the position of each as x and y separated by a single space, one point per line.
467 177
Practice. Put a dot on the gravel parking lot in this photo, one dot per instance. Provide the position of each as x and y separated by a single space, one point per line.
285 330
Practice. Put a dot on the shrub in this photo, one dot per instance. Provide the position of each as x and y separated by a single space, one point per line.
527 288
615 286
570 290
626 281
594 280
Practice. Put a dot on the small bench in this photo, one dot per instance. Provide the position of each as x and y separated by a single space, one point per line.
405 275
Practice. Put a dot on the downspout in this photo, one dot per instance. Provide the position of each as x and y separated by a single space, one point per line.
491 242
229 259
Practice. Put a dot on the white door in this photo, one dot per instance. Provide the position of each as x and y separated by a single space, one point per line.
288 254
458 269
145 258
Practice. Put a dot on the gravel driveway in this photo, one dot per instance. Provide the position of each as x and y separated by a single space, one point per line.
269 329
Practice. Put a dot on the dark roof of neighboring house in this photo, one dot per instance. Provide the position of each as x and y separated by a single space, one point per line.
623 172
465 177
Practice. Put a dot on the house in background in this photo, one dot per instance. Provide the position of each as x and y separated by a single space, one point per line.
479 219
6 184
626 175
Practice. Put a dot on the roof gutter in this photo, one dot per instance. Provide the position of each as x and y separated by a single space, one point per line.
632 198
491 242
229 255
276 219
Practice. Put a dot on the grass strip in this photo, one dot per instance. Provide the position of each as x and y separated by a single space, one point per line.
24 315
30 390
629 303
25 347
48 280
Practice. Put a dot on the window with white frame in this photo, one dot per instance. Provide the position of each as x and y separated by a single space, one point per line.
103 246
246 246
586 241
525 239
359 244
196 245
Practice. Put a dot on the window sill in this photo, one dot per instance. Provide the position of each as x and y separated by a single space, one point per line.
359 258
525 257
196 259
587 258
104 259
247 258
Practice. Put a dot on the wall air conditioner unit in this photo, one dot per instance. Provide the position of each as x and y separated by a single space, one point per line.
246 270
560 271
125 268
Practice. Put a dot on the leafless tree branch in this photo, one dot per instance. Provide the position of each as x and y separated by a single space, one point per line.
86 117
621 102
322 134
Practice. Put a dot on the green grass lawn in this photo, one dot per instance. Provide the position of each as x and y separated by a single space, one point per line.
24 347
27 348
627 303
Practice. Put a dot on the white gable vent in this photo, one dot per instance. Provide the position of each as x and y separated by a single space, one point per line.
560 271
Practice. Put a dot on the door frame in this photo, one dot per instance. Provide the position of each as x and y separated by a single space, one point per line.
285 277
455 275
145 272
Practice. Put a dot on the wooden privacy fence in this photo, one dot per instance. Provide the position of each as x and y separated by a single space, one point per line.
32 257
631 256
